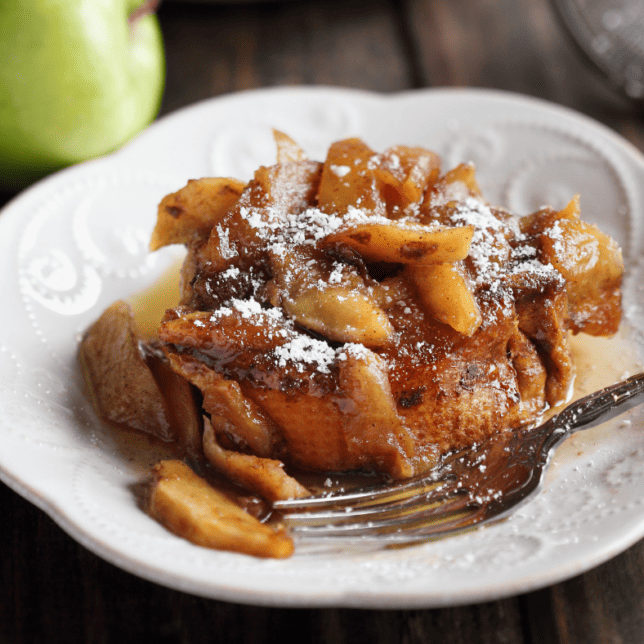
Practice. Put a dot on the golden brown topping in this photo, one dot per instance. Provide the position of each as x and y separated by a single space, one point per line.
456 301
365 313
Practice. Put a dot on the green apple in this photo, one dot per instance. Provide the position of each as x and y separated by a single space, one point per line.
78 78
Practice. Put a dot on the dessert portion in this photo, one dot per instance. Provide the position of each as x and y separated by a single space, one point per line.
370 313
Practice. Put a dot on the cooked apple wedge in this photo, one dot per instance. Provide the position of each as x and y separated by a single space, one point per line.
180 398
407 172
342 315
187 505
373 426
446 296
264 476
287 149
232 414
194 210
455 185
121 382
592 264
348 179
404 243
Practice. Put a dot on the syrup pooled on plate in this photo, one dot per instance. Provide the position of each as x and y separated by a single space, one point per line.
368 313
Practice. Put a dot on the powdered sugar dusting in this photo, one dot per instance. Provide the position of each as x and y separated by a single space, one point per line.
340 170
295 348
304 350
249 309
281 230
567 253
353 350
499 252
227 251
290 230
489 244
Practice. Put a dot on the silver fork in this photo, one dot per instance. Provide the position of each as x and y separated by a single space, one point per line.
472 487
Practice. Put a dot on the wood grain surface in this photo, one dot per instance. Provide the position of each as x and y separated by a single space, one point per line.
54 590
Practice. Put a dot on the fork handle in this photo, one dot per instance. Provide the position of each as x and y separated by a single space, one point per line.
596 408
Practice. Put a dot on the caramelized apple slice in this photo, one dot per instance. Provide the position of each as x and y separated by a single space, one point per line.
287 149
287 187
232 414
326 297
463 174
193 211
592 264
456 185
122 385
348 179
446 296
542 318
407 172
264 476
531 373
342 315
372 425
378 184
191 508
185 417
228 330
405 243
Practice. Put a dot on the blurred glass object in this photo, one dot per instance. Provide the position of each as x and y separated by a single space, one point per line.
611 35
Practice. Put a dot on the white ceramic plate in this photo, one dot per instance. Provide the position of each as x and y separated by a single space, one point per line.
76 241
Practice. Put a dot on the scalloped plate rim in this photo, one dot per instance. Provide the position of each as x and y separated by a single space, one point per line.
486 592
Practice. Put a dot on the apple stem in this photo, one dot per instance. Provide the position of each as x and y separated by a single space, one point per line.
148 7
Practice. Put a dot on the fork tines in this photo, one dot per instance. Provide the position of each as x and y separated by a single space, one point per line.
405 511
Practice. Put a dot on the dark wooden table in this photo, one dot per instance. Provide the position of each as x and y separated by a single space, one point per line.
53 590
